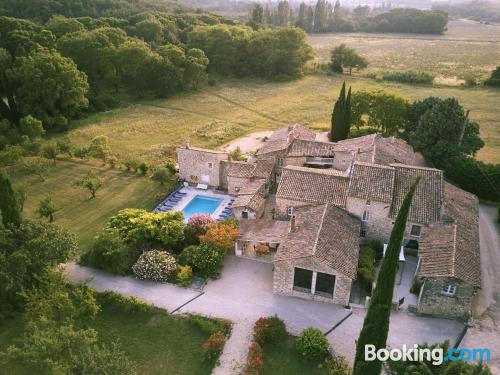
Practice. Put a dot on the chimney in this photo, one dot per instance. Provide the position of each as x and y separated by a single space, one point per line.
293 224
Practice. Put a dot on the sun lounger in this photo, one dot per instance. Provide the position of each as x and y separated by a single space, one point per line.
202 186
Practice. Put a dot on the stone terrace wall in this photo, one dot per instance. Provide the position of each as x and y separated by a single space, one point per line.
200 166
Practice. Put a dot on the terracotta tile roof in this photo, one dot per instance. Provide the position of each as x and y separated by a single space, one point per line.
376 149
302 147
252 187
428 199
371 181
313 185
451 249
264 230
258 169
252 201
326 233
283 137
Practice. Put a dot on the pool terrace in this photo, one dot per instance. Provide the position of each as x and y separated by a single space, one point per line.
191 201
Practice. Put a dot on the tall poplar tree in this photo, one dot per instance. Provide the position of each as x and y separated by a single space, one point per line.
9 208
376 324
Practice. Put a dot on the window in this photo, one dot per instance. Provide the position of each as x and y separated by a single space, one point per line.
368 202
415 230
244 215
302 280
325 284
280 162
289 210
366 216
449 290
210 165
362 232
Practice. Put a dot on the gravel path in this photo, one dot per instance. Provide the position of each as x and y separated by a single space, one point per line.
232 359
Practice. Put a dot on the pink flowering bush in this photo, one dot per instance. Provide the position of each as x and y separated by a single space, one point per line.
196 226
155 265
200 221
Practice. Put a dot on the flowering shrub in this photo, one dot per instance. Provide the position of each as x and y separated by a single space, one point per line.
196 226
186 255
139 226
184 275
269 329
312 343
207 259
221 235
214 345
254 360
155 265
200 221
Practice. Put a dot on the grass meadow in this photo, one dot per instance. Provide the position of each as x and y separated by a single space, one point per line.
466 49
214 115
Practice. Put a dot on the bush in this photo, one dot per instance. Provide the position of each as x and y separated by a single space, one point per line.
338 366
143 168
221 235
131 165
378 247
214 345
196 226
269 329
110 253
122 303
366 269
254 360
184 276
312 344
186 256
155 265
410 76
210 326
207 259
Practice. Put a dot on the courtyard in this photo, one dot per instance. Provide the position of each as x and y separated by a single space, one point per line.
243 293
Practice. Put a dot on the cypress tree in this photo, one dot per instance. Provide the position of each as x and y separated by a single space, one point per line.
347 115
338 115
8 203
376 324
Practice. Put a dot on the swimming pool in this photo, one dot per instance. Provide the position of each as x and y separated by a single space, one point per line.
201 204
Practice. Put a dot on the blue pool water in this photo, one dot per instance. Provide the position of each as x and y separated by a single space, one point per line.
201 204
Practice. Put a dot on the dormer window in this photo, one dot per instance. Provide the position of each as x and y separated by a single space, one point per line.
289 211
449 290
280 162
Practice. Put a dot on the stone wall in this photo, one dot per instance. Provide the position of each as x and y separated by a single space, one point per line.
434 302
238 211
283 280
235 183
379 225
200 166
283 204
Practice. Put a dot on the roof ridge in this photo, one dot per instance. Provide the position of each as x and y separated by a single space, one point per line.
400 165
454 254
319 229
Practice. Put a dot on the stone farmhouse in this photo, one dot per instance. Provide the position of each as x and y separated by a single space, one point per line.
330 197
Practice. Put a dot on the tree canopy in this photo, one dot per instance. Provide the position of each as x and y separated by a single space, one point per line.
343 57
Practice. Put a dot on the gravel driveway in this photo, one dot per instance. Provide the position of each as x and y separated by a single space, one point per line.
486 330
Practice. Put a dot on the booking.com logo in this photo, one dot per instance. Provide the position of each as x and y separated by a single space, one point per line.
436 356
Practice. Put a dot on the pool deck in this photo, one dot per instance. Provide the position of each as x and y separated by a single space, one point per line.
192 192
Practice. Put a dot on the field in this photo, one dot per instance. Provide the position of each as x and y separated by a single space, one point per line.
467 48
157 342
84 216
215 115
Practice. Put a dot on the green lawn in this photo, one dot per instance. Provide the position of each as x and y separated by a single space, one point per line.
84 216
282 358
156 341
214 115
